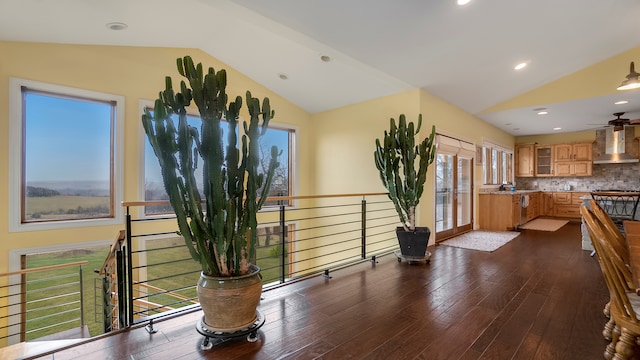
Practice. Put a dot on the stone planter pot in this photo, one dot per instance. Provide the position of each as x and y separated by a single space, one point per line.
229 303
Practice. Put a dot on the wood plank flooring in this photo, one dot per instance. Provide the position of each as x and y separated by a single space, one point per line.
538 297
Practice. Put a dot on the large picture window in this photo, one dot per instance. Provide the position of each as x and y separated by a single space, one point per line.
282 184
65 163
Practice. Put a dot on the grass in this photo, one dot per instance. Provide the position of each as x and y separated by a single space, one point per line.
57 278
66 207
168 267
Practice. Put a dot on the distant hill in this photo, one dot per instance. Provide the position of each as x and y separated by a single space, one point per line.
72 188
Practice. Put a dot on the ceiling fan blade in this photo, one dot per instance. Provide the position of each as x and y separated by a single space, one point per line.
634 122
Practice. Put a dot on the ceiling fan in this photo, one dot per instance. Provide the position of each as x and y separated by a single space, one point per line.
619 123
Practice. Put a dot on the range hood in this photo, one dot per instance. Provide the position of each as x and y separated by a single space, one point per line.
613 149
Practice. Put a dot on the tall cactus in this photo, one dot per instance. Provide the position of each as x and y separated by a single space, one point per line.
222 235
395 159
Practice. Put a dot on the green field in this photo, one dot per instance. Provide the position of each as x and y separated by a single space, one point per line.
168 267
66 207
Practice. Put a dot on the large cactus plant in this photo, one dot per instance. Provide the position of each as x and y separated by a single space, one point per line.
221 232
395 157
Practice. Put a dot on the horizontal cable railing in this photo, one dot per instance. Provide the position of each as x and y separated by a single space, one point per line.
42 303
157 276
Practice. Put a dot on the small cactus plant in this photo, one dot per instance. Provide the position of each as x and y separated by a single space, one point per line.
395 157
221 232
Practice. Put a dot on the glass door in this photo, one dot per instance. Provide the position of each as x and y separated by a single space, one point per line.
454 195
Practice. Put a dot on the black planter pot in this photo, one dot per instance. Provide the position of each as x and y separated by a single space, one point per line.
413 243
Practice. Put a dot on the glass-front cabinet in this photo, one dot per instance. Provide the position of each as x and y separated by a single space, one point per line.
544 157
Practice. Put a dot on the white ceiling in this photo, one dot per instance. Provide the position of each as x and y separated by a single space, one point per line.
463 55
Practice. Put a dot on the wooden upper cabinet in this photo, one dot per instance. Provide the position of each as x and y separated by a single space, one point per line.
525 160
544 160
582 152
572 152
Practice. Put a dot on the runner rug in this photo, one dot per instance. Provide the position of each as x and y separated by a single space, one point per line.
482 240
544 224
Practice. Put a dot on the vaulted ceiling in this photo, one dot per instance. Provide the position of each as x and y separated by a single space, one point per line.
335 52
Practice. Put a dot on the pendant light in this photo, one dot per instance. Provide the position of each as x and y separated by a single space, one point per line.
632 81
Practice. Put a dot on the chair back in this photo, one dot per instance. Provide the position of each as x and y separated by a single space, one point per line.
618 240
615 271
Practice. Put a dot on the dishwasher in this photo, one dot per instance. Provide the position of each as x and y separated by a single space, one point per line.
524 203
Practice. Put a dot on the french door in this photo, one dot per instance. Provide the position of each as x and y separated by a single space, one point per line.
454 195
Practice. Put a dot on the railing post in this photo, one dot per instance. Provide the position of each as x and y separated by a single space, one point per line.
107 310
122 304
129 270
283 241
364 229
81 299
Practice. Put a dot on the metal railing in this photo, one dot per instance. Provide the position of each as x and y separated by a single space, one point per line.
43 303
151 273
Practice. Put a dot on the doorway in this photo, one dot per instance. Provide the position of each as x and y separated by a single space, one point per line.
454 195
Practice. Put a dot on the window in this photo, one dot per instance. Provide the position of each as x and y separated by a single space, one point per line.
153 184
497 164
66 158
282 183
276 135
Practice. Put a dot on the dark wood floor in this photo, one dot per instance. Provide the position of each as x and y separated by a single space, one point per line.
538 297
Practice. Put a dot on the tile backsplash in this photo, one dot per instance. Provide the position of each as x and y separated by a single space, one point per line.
605 176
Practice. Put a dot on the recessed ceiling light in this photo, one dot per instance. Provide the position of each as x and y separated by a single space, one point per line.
543 112
117 26
325 58
520 66
283 76
463 2
621 102
557 128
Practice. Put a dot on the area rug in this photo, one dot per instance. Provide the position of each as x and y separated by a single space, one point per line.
482 240
544 224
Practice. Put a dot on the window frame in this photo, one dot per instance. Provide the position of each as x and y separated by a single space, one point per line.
16 180
503 158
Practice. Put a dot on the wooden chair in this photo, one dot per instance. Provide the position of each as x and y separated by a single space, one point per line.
619 243
625 304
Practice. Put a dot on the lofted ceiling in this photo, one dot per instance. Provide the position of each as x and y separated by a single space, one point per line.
462 54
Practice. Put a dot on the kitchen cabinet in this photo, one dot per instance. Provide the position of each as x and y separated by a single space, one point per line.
533 210
544 160
525 157
499 212
567 204
573 168
546 204
572 152
572 159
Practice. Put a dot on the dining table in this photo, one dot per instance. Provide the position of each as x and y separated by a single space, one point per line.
632 231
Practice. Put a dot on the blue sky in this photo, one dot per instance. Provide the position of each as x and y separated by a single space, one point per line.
66 139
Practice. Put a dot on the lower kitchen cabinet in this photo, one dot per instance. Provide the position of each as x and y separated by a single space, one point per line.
533 210
501 212
567 204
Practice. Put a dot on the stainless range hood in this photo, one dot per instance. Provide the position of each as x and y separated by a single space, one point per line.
614 147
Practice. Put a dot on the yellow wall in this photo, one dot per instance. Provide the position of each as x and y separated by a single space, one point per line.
334 148
136 73
345 140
